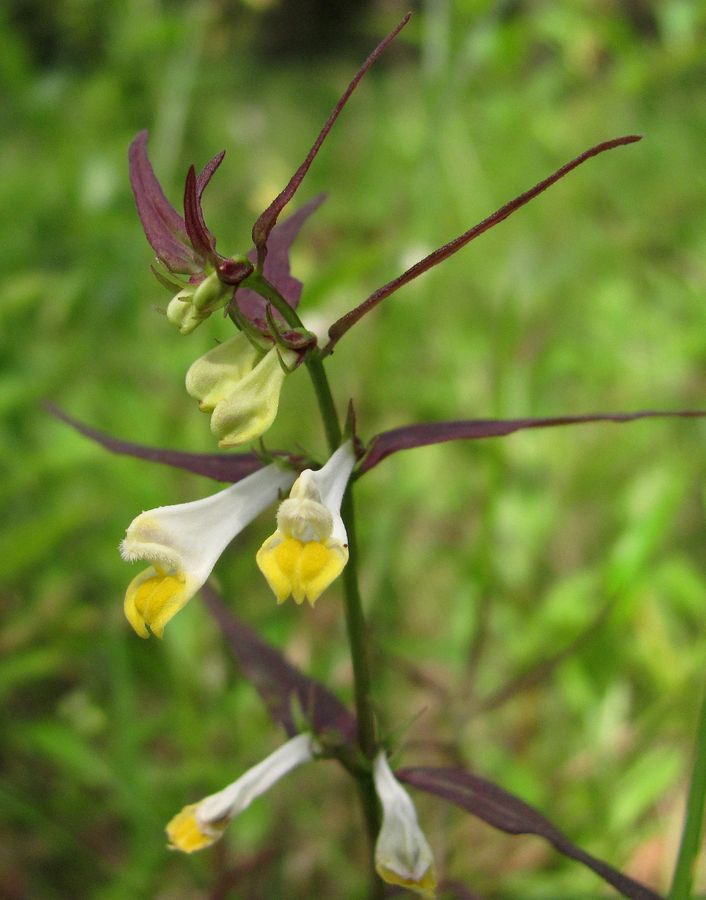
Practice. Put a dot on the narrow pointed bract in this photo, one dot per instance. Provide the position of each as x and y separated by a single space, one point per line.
402 853
267 220
201 824
182 543
340 327
309 549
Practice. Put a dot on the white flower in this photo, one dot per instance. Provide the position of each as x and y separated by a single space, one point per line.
201 824
309 549
402 854
240 386
184 542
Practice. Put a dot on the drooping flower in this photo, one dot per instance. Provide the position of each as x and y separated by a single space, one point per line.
240 386
402 853
201 824
182 543
309 549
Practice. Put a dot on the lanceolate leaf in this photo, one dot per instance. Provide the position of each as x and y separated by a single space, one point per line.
339 328
219 466
409 436
279 683
267 220
508 813
276 269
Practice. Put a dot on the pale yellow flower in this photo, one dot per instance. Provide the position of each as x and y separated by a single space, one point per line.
240 386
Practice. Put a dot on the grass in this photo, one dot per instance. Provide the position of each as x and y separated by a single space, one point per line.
537 600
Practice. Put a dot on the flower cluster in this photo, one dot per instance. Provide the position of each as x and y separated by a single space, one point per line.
238 383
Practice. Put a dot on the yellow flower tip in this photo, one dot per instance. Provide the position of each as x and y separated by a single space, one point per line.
152 598
186 834
425 885
302 570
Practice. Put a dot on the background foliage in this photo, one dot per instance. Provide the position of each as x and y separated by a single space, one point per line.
536 602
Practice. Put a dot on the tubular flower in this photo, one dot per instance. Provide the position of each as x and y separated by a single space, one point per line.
183 543
201 824
240 387
402 854
309 549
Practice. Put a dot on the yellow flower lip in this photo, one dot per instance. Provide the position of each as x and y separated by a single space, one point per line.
309 549
154 597
185 833
300 570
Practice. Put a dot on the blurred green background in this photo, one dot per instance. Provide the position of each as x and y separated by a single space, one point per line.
537 602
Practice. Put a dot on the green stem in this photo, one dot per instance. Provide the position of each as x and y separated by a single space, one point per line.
324 398
355 627
355 620
694 819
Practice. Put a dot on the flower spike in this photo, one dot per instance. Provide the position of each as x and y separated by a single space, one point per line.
183 543
268 219
340 327
402 854
201 824
309 549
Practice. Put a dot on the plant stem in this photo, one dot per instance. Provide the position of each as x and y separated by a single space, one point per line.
694 818
324 398
355 627
355 620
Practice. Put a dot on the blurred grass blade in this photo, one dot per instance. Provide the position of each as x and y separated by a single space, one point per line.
694 820
508 813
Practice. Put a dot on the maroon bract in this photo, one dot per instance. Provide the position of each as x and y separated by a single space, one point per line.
183 245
